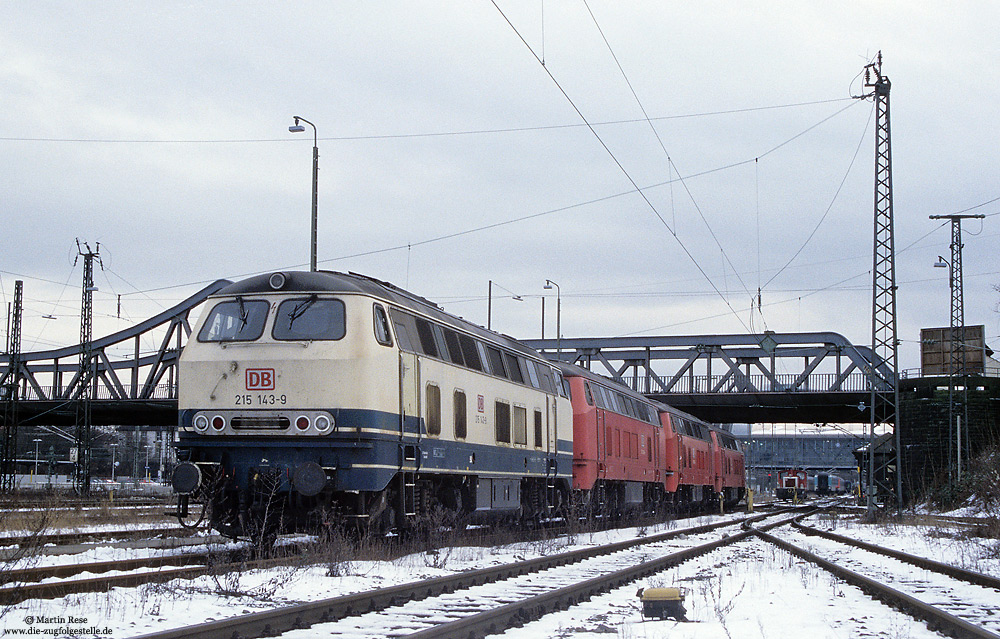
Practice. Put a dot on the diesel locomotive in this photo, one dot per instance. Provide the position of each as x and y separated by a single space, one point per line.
315 399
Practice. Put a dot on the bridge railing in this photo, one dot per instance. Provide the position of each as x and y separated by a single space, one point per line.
783 383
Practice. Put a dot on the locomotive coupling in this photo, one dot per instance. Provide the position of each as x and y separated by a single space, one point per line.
187 478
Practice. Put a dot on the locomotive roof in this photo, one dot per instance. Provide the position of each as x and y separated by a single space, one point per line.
572 370
354 283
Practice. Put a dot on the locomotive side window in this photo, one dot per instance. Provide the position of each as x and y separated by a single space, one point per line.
309 319
442 346
237 321
521 425
382 334
469 352
502 416
546 378
513 370
426 334
561 384
590 396
599 397
483 359
532 373
496 361
433 410
454 347
461 428
404 338
630 407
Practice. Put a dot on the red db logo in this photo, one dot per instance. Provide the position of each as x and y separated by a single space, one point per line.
260 379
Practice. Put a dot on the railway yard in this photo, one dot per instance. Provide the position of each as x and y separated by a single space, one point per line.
811 569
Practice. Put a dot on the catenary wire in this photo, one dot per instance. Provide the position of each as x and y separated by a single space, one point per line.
621 167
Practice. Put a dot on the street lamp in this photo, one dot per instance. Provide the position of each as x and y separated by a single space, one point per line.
298 128
548 286
114 450
489 303
34 473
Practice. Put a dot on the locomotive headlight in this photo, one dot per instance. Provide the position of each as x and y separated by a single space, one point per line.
218 422
302 422
277 281
200 423
324 424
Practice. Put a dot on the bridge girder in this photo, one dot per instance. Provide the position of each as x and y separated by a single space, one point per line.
779 377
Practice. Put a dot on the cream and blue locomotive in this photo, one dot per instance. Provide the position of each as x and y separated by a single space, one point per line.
312 399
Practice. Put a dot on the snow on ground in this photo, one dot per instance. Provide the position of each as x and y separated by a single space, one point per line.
751 590
948 543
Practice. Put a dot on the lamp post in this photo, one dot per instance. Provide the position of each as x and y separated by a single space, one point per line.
34 472
147 461
298 128
489 303
114 462
548 286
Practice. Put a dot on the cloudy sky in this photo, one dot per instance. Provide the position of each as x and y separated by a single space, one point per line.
451 156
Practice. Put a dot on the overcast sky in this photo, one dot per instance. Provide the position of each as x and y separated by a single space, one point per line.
160 130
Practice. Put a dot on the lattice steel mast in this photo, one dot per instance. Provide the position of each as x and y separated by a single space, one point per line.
956 334
11 389
884 475
81 478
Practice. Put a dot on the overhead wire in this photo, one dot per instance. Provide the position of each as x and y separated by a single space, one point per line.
670 161
833 200
621 167
493 225
663 146
428 134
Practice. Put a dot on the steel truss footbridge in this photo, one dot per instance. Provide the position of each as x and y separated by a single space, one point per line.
769 377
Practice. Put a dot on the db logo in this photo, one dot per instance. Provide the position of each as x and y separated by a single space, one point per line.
482 404
260 379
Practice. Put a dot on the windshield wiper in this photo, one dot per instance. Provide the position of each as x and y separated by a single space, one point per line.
299 310
244 314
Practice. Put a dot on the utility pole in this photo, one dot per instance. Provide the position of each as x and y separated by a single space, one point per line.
11 388
956 334
883 488
87 374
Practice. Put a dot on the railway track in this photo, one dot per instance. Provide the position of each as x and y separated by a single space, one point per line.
536 586
927 593
29 582
63 539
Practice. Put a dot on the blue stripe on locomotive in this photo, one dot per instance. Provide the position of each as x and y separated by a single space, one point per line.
368 461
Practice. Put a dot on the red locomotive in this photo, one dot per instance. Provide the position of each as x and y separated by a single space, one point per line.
633 454
792 484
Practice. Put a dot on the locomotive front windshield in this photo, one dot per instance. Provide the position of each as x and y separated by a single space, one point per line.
309 319
238 321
